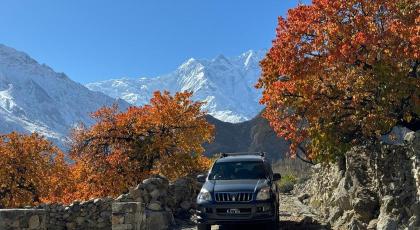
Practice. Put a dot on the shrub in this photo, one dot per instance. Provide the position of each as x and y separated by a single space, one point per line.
287 183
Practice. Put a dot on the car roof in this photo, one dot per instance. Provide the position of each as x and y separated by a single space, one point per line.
241 158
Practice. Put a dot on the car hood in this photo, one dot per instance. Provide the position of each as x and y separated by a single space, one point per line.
235 185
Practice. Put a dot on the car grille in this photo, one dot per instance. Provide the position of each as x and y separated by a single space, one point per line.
233 196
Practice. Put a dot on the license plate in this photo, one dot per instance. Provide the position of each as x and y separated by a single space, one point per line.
233 211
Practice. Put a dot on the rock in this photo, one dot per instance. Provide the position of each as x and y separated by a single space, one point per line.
117 220
343 220
342 201
155 194
159 220
156 182
372 224
75 207
386 223
80 220
155 206
335 213
97 201
34 222
307 220
303 197
66 216
388 203
356 224
124 198
414 223
71 226
123 227
105 214
365 205
409 137
136 194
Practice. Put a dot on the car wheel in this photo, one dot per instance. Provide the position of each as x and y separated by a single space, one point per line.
203 226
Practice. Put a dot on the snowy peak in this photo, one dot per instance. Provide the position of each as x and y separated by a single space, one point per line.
34 98
225 83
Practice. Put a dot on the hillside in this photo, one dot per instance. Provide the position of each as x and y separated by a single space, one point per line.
35 98
252 135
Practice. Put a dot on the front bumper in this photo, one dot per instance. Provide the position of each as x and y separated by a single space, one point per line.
217 213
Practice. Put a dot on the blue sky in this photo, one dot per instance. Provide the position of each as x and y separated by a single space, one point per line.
93 40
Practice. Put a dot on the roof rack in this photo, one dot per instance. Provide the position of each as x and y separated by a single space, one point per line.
262 154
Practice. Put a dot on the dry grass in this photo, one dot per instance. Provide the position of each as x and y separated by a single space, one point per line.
293 171
295 167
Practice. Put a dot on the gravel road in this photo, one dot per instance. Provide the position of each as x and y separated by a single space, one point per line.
293 215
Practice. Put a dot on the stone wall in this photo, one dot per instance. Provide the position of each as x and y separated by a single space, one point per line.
150 205
91 214
128 215
376 187
22 219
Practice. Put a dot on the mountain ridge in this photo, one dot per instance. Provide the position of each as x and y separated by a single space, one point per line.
225 84
35 98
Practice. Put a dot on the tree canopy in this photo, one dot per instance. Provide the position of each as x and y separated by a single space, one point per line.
342 72
122 148
32 170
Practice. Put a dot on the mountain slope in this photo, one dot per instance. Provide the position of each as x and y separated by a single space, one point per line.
226 84
254 135
35 98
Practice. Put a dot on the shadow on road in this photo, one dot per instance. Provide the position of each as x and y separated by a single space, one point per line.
284 225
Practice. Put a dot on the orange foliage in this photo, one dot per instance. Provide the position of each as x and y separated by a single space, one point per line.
122 148
32 170
341 72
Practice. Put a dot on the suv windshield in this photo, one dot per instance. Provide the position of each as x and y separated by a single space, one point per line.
238 170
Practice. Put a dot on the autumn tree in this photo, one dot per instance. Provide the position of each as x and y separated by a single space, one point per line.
32 170
342 72
122 148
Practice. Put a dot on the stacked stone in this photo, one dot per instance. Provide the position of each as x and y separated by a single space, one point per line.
128 216
150 205
183 193
164 200
22 219
92 214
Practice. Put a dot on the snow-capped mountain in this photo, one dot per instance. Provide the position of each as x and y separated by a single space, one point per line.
35 98
226 84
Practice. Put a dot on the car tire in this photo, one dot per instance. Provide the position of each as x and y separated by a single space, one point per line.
203 226
274 225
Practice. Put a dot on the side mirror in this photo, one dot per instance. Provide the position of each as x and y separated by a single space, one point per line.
201 178
276 176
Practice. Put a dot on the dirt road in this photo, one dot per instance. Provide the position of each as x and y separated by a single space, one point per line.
293 215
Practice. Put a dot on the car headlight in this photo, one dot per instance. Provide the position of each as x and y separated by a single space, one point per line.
264 194
204 195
